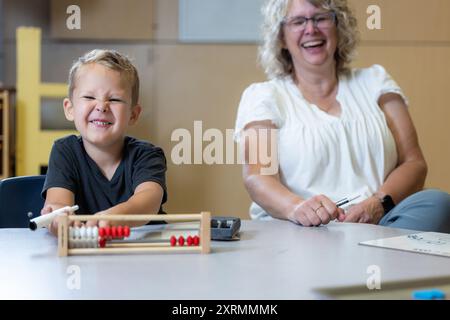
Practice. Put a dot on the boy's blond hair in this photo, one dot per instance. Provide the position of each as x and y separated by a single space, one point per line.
110 59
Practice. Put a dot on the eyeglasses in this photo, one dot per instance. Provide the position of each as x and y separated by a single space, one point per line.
321 21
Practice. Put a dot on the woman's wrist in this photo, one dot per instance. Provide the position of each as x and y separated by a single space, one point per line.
385 200
378 209
295 203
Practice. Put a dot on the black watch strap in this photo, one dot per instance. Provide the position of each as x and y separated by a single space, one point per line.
387 203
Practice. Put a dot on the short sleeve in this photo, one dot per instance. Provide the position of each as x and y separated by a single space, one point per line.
150 166
381 82
60 172
258 103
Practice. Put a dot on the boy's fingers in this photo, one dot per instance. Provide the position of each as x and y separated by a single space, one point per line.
91 223
103 224
53 228
46 210
77 224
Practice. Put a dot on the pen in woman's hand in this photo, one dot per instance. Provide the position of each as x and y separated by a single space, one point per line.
341 202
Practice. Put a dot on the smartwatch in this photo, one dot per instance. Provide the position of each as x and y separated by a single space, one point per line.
387 203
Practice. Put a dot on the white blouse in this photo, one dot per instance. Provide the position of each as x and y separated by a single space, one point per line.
323 154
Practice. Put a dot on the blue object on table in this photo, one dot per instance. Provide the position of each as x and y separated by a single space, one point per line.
432 294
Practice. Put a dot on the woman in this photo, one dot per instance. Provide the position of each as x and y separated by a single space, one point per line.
340 132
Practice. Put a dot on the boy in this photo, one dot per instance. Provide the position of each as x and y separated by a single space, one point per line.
103 171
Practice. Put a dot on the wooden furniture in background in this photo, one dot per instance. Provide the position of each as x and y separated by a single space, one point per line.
6 132
33 143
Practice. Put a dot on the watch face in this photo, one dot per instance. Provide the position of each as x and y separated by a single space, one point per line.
388 204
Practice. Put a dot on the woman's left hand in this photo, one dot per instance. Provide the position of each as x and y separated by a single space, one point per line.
368 211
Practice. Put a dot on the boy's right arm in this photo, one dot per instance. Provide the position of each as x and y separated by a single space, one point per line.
57 198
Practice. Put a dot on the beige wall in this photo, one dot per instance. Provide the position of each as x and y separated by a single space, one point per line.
423 72
406 20
104 19
202 82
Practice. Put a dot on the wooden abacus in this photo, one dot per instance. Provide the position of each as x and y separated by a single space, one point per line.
90 244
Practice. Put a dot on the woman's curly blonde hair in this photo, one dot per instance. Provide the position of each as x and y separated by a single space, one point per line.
277 61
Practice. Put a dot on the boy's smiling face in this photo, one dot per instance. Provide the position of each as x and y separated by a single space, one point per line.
101 106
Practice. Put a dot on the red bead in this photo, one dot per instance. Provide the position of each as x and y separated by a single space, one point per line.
120 231
181 241
102 242
196 240
114 232
101 232
190 241
107 231
126 231
173 241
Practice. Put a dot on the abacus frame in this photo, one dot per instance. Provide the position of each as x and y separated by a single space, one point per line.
204 218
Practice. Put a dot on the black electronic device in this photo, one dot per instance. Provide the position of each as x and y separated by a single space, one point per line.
225 228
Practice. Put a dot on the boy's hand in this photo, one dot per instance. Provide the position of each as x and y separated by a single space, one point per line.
53 227
99 223
57 198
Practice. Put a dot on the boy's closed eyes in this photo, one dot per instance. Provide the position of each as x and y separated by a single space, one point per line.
113 100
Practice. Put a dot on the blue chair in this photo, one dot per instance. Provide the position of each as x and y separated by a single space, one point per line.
18 196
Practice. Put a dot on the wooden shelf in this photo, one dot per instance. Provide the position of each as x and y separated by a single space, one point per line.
6 133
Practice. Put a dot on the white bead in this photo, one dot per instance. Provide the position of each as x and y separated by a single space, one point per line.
89 232
76 233
83 232
95 233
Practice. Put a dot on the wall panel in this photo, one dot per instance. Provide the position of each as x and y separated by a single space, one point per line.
406 20
104 19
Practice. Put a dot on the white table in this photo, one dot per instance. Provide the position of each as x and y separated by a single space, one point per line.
273 260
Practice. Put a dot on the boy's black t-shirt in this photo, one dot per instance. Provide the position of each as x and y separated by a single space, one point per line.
70 167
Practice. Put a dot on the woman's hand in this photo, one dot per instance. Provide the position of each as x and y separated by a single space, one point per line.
315 211
368 211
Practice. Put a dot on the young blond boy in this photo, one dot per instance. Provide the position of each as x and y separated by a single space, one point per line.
104 171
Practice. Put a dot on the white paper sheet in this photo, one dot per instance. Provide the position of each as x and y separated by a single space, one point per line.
425 242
